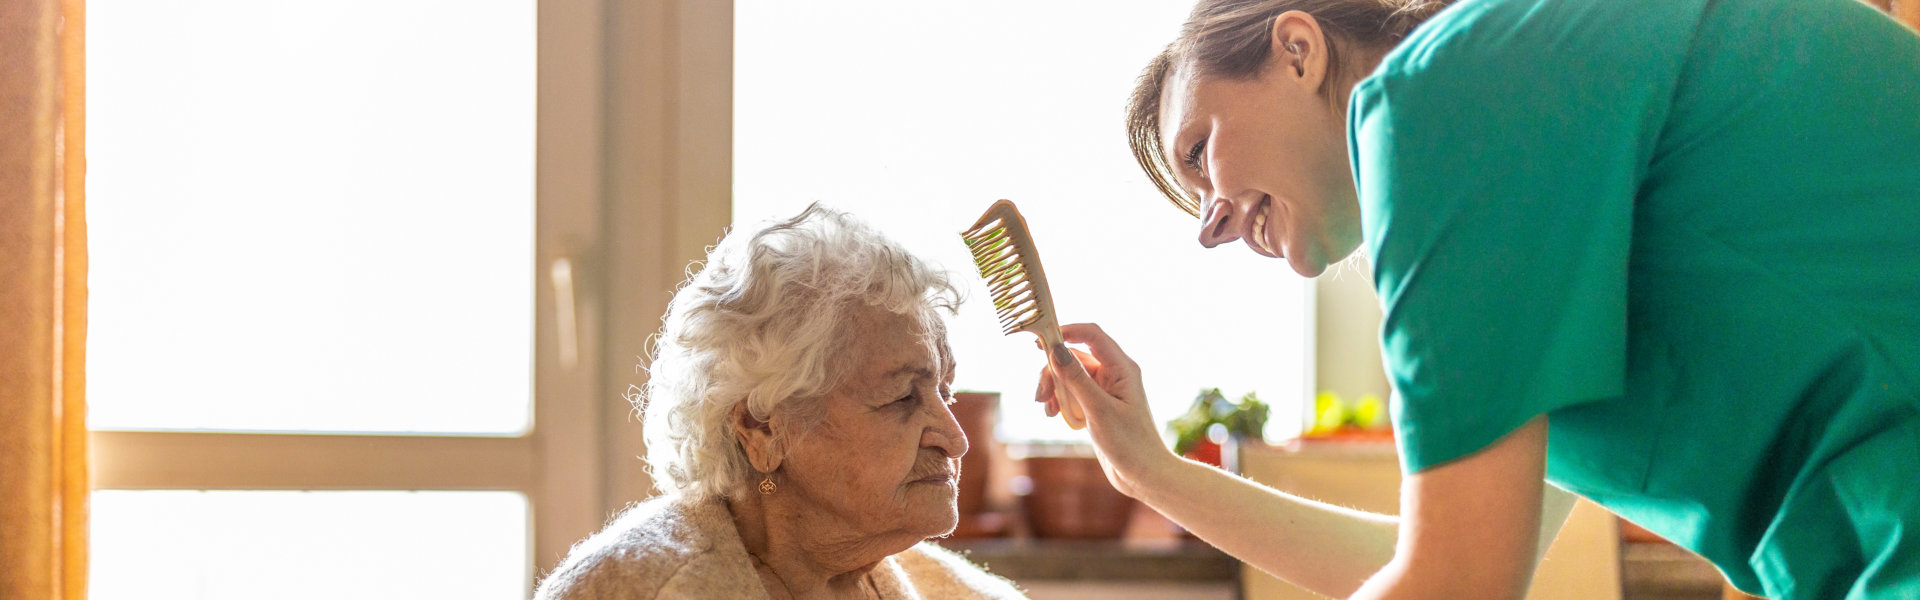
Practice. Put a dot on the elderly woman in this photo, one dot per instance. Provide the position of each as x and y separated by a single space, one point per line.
797 427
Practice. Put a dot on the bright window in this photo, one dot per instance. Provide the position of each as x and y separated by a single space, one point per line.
317 217
916 116
311 215
238 545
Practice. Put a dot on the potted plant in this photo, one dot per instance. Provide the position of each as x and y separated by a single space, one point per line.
1202 431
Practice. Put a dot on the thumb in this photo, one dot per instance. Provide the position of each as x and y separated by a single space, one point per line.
1078 386
1067 367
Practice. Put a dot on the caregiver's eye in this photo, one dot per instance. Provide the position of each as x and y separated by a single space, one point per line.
1192 159
904 400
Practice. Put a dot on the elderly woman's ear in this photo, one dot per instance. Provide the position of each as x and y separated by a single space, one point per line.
756 439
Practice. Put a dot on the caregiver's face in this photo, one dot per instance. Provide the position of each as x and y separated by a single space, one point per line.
885 460
1267 159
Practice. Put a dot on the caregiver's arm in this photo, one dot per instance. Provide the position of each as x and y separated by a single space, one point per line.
1471 527
1329 549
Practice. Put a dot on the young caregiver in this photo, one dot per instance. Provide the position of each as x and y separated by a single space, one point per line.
1664 255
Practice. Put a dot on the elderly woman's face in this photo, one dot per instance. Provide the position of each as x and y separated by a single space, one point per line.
886 457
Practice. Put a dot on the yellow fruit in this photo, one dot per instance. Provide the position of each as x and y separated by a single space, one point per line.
1328 413
1371 412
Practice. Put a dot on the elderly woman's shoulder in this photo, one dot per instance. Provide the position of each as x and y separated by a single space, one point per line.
941 573
665 547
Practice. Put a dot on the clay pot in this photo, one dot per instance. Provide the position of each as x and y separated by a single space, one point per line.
1071 499
976 412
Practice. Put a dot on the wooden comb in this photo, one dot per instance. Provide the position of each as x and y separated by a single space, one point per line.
1003 250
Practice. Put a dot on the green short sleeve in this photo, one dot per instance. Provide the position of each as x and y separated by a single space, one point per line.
1687 231
1497 196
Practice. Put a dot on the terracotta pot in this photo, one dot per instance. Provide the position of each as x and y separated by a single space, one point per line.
1072 499
976 412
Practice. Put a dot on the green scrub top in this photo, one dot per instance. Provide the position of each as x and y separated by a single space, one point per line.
1688 231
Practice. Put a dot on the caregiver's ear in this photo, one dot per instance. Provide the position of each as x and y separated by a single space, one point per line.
756 439
1298 48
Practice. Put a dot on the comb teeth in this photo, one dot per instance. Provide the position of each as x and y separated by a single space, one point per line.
1003 251
1007 279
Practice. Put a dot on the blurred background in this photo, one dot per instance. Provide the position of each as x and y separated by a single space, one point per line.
371 279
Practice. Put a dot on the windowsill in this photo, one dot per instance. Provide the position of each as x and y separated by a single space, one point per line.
1165 560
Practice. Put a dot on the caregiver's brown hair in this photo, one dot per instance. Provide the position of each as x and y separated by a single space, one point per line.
1230 38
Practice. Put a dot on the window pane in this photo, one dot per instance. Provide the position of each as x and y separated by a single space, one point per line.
311 215
216 545
920 115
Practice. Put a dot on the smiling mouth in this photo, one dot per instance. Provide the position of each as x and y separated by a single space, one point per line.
1257 237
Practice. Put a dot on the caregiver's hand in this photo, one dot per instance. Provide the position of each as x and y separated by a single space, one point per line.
1106 385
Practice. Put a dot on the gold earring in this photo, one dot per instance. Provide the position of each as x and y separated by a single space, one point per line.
766 485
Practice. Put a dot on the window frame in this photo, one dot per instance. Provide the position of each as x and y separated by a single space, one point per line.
633 180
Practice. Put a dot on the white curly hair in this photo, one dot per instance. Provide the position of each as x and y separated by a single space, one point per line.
763 323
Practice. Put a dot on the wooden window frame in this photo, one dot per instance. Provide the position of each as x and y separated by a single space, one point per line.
633 182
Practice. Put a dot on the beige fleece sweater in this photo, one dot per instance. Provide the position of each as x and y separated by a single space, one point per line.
670 548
